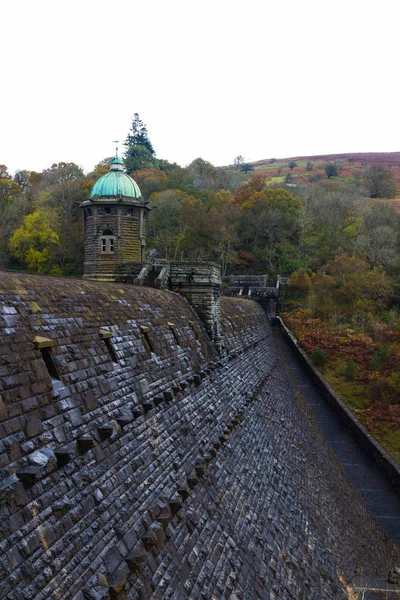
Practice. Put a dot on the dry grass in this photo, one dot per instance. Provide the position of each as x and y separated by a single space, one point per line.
352 595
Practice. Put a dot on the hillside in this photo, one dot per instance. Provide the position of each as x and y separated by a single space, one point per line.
309 169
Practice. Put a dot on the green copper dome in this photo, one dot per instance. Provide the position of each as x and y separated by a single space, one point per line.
116 183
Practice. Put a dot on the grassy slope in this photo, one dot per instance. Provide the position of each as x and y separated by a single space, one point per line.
355 395
351 166
383 425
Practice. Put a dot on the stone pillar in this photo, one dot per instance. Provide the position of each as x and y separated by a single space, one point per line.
200 283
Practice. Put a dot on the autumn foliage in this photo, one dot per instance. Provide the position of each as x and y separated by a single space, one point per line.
347 321
348 286
339 248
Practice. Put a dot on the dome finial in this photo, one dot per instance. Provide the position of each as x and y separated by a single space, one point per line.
117 162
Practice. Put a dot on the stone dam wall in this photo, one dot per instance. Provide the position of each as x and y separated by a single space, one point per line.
136 462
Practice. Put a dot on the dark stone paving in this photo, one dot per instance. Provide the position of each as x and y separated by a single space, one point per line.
378 493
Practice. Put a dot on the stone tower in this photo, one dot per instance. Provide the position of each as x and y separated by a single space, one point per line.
115 219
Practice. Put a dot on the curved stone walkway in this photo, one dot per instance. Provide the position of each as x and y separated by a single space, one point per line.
378 493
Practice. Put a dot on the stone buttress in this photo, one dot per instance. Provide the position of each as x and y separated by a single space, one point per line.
200 284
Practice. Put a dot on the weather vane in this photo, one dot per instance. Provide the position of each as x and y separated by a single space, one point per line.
116 149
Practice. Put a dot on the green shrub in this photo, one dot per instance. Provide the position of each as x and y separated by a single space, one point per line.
331 170
319 357
350 371
382 394
379 358
390 318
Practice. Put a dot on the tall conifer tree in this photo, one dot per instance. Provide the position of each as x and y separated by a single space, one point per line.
138 135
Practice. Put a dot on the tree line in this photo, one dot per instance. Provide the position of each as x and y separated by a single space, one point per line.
200 212
235 217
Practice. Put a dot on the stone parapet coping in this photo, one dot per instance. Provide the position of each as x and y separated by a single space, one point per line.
384 462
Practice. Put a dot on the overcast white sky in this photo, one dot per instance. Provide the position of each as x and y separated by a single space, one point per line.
215 78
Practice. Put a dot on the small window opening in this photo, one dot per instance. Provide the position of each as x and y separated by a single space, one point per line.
147 338
49 362
176 336
107 241
149 342
108 210
111 350
130 212
174 332
106 336
194 329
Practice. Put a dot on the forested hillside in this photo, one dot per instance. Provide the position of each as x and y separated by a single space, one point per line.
329 223
241 218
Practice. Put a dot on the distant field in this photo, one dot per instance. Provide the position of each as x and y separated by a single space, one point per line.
277 180
366 158
312 168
